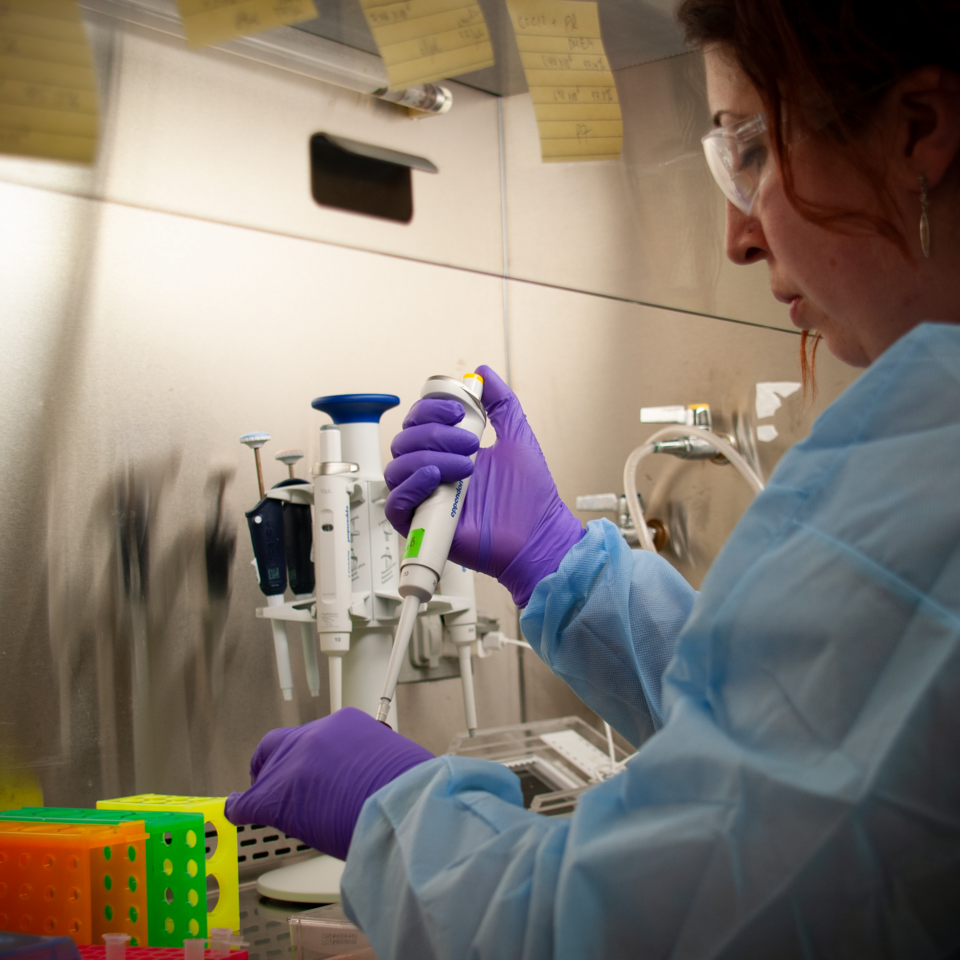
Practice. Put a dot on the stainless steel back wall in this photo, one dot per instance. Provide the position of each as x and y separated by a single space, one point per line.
187 290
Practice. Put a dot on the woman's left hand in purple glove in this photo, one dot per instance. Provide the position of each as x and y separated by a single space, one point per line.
311 781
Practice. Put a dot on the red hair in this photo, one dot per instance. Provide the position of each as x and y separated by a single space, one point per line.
807 363
830 62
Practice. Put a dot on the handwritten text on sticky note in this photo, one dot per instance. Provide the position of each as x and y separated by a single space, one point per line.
425 40
574 95
216 21
48 92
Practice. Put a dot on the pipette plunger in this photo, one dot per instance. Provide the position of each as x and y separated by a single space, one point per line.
255 441
289 457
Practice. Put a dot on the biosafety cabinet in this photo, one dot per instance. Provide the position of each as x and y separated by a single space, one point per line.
189 287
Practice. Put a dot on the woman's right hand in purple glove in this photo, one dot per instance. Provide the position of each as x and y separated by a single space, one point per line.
513 525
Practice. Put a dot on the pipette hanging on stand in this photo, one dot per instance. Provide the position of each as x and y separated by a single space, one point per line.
332 486
281 532
265 522
298 549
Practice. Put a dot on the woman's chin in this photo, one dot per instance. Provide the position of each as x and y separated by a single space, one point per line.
846 351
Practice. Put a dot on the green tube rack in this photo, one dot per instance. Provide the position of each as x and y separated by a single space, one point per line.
176 892
222 864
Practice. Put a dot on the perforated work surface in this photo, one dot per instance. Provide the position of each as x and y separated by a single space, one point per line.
263 924
257 843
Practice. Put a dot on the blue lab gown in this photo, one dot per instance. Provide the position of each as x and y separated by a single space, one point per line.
802 798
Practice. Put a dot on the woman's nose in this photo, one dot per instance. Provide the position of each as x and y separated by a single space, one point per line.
744 241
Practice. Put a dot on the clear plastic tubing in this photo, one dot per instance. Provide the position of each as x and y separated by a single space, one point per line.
672 432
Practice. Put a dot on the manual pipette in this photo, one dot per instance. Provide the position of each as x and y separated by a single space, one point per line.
332 485
265 521
298 543
432 528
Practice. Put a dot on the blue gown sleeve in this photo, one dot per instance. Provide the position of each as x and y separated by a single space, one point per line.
607 624
802 798
486 876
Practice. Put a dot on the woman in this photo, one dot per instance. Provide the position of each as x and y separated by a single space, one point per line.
802 795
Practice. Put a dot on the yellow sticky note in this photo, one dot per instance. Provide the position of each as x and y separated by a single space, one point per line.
48 91
214 21
425 40
574 95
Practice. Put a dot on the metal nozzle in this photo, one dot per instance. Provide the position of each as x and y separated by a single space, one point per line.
687 448
425 97
701 416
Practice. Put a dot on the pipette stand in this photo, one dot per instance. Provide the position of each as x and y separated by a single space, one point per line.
360 604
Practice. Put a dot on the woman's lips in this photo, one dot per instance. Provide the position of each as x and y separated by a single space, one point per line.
793 301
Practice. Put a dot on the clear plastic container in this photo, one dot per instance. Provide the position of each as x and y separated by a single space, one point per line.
556 760
326 934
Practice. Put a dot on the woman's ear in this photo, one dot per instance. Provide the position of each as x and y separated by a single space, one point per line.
927 111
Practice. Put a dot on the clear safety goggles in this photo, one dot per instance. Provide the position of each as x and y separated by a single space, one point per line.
739 159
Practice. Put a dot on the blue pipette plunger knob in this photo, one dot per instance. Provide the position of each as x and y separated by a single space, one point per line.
356 407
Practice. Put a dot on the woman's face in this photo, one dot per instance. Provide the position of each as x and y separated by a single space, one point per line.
856 290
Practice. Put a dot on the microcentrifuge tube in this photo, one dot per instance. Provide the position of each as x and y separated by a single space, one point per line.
116 945
193 949
220 941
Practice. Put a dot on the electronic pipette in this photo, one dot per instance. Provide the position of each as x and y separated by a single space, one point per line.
431 530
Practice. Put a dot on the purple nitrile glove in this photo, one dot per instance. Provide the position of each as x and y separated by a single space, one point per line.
513 525
311 781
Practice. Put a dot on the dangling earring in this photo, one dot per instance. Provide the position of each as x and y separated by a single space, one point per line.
924 217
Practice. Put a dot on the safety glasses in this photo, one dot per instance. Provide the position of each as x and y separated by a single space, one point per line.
739 159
